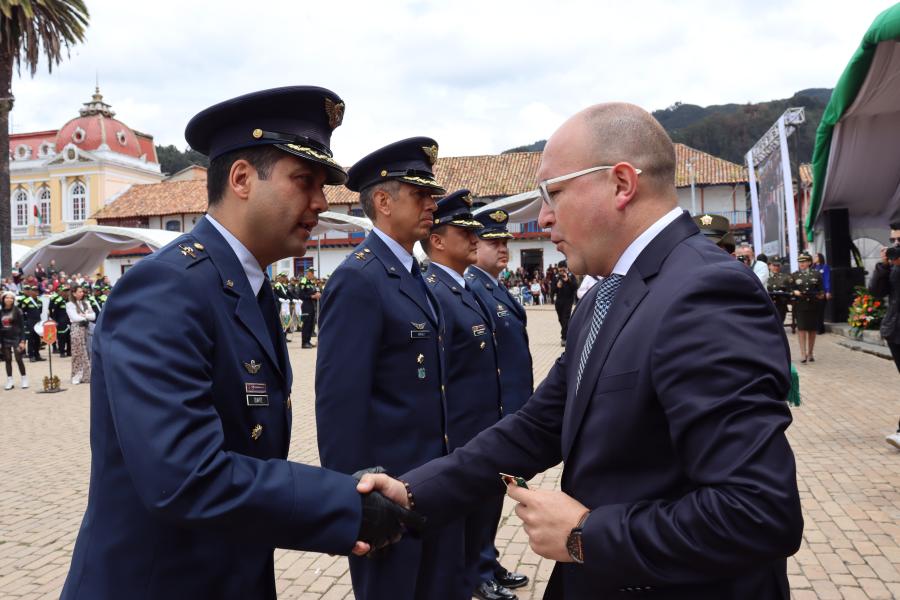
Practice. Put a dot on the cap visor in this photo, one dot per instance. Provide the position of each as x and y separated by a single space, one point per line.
496 235
336 175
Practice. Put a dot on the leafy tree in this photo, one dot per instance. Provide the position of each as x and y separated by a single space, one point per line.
172 160
29 29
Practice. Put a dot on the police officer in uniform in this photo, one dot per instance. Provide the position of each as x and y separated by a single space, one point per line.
809 291
280 288
190 409
718 229
513 357
31 311
58 313
473 375
779 286
380 373
97 298
309 295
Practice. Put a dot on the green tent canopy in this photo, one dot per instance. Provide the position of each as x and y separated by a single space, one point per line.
856 160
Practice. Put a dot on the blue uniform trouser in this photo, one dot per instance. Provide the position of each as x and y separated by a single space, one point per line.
481 529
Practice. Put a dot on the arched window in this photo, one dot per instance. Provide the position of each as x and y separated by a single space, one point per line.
44 205
78 201
20 207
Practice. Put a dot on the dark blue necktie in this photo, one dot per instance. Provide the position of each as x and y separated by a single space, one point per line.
269 309
416 272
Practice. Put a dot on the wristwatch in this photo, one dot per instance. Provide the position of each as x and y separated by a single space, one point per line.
573 542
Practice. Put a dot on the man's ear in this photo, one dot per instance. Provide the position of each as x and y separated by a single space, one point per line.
437 242
381 202
625 178
241 177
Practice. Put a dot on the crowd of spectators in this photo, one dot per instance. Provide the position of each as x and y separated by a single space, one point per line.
48 280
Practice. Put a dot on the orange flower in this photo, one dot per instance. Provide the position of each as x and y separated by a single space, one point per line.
877 304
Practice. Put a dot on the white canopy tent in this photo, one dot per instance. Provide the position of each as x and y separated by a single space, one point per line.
18 251
82 250
522 208
333 221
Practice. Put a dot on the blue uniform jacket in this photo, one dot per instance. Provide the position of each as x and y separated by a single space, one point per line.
380 381
473 386
674 440
190 424
513 355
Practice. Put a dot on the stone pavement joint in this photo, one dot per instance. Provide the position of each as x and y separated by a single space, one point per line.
849 480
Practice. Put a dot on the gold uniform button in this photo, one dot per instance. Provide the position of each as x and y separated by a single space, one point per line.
446 440
289 403
199 246
229 283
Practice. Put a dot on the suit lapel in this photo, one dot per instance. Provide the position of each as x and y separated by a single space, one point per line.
246 308
632 291
395 270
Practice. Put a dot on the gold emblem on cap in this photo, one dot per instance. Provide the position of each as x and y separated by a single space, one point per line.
467 199
252 367
384 172
257 133
706 220
431 152
335 112
498 215
256 431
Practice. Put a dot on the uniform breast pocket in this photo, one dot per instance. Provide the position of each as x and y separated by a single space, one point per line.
616 383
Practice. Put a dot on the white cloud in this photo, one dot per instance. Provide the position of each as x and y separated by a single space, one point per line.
479 76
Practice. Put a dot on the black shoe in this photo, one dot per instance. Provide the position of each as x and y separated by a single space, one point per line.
307 345
491 590
510 580
31 359
38 358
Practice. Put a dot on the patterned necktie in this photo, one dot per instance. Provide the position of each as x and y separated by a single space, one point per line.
606 292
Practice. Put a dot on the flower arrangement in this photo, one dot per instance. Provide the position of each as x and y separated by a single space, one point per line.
866 311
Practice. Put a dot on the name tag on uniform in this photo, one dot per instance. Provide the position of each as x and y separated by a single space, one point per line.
479 330
419 332
255 388
257 400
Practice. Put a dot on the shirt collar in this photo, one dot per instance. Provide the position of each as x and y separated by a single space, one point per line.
642 241
405 258
254 273
456 276
494 279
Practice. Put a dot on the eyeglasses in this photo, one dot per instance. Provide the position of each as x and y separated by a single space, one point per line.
543 186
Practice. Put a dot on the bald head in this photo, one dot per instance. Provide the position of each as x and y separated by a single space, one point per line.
616 132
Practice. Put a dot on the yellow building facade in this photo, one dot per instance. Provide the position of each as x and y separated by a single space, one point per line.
60 178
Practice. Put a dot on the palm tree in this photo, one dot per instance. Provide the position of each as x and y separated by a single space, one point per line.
28 29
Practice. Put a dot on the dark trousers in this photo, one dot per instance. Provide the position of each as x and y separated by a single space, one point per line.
564 313
309 322
64 343
8 352
481 528
781 307
34 344
488 566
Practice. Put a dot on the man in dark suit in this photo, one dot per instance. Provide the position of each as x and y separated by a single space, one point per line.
380 371
513 355
668 407
473 375
190 491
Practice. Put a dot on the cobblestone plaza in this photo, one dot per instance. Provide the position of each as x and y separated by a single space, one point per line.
849 480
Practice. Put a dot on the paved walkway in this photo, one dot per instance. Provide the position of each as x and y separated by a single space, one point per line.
849 480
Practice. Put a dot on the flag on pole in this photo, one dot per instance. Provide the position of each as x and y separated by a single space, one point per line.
37 215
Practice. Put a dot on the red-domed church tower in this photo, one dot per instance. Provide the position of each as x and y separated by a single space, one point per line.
60 178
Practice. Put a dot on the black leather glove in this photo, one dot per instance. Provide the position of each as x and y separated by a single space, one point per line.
384 521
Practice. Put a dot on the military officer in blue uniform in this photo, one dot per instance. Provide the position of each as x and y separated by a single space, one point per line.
190 491
473 385
513 358
380 373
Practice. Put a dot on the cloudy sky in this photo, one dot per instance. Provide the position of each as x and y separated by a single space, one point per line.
479 76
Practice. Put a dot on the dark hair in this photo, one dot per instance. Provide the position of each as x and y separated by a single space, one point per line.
367 194
261 158
426 243
895 225
821 258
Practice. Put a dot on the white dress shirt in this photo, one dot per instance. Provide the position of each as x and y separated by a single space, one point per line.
254 272
642 241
